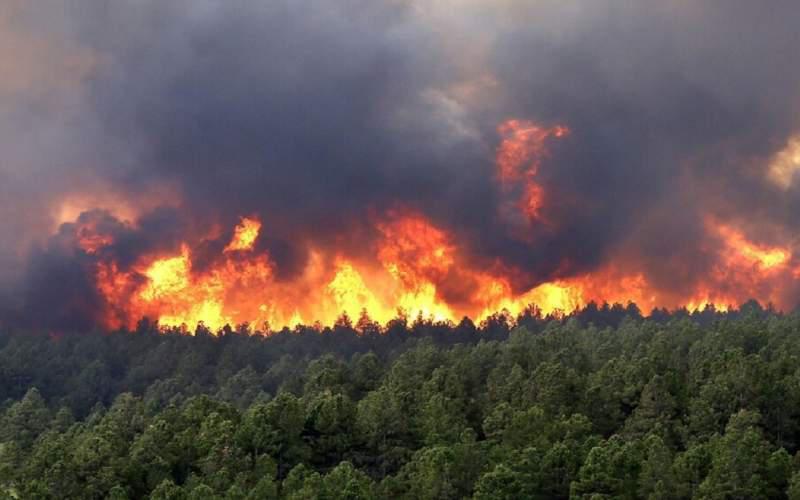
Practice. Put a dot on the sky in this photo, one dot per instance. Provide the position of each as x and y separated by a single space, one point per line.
164 118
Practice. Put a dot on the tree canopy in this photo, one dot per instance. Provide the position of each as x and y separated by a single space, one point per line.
598 404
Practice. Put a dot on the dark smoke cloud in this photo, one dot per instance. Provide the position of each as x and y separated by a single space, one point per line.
317 115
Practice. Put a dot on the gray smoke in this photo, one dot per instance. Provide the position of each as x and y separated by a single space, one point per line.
317 115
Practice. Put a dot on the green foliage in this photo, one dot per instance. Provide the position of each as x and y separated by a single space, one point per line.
704 406
25 420
656 479
611 470
740 461
167 490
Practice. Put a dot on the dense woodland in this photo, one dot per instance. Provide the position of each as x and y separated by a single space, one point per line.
599 404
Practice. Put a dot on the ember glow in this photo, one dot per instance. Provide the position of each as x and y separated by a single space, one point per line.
415 268
289 162
519 157
415 265
244 236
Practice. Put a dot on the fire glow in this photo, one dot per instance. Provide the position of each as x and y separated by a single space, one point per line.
417 269
519 158
415 260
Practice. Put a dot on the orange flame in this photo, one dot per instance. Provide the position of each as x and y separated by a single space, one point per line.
519 158
418 263
418 268
244 235
739 248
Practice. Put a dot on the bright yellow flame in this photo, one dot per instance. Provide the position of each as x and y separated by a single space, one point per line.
764 257
416 263
700 305
167 276
423 301
551 297
351 293
209 312
296 319
182 300
244 235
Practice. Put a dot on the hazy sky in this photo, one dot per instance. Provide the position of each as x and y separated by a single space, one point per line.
317 114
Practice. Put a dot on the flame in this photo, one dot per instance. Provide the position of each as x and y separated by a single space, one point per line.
743 269
244 235
89 233
738 247
179 298
167 276
414 250
523 147
90 240
519 158
417 263
414 267
350 291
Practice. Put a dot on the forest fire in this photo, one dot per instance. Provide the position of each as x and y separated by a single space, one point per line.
519 158
416 264
449 168
413 266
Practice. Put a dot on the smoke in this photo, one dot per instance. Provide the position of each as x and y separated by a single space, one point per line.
322 116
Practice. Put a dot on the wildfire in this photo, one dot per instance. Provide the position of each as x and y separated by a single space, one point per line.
351 293
523 147
244 235
416 267
738 247
519 158
167 276
90 241
416 260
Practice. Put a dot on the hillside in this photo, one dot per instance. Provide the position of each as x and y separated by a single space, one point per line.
679 406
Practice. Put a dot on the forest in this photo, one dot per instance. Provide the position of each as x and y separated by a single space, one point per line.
601 403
